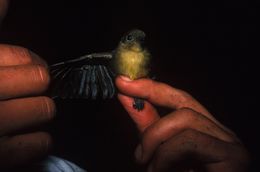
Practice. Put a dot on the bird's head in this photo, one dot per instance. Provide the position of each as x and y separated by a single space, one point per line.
133 39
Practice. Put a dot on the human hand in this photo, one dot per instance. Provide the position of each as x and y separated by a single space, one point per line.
23 77
188 138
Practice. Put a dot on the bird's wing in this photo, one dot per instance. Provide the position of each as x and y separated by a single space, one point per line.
88 76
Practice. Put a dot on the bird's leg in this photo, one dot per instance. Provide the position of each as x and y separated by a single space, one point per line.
138 104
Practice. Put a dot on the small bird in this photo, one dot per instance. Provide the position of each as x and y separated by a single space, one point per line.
92 75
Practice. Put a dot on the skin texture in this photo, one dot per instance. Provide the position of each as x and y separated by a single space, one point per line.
23 77
188 138
22 108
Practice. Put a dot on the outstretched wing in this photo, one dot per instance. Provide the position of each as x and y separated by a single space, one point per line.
86 77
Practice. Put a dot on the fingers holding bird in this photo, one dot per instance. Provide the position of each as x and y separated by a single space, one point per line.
163 139
163 95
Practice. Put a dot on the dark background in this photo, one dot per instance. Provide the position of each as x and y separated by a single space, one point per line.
209 50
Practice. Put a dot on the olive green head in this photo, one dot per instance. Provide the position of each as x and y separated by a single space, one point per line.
133 37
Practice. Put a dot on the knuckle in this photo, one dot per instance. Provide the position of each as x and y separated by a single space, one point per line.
188 140
187 114
48 108
149 140
149 134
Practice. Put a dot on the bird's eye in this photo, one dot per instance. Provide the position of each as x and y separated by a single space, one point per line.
129 38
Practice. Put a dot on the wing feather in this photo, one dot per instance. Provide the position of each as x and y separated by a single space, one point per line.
82 82
94 87
83 78
87 82
109 81
102 81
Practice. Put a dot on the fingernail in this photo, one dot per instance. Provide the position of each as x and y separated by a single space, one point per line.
125 78
139 153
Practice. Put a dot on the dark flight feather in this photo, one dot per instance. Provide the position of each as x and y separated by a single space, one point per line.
86 77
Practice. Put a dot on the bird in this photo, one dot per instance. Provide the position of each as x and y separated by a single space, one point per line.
92 76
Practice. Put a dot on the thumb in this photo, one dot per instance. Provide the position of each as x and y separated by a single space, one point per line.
143 118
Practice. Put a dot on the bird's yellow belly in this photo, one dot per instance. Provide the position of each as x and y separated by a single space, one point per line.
133 64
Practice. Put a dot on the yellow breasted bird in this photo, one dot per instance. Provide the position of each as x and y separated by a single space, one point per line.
92 75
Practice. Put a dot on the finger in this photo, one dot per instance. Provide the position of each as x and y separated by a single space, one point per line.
142 119
23 149
18 114
175 123
14 55
23 80
159 94
194 146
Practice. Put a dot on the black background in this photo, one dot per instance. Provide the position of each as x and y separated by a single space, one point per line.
209 50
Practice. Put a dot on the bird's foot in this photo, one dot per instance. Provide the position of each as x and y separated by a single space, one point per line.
138 104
